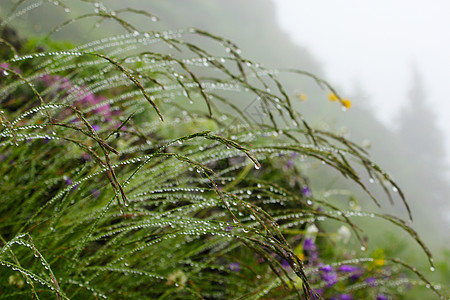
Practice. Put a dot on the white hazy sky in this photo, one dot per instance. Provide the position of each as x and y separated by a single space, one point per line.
374 44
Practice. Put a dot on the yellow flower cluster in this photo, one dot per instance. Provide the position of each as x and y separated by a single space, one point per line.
333 97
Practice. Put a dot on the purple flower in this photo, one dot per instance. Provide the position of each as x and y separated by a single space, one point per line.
356 276
348 268
68 181
4 65
371 281
306 191
330 278
88 99
309 245
294 154
95 193
235 267
345 297
96 127
381 297
326 268
289 164
285 264
314 294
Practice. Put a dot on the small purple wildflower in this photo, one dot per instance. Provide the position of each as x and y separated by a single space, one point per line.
68 181
4 65
356 276
306 191
348 268
309 245
294 154
330 278
311 250
95 193
289 164
285 264
228 228
314 294
235 267
371 281
345 297
381 297
326 268
96 127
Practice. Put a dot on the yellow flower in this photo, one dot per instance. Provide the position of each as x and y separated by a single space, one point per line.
332 97
301 96
378 259
299 252
379 262
347 103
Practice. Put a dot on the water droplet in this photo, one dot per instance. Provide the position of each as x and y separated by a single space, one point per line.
363 248
432 269
394 189
257 167
371 180
67 10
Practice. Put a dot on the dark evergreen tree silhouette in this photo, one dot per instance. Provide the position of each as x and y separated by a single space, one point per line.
418 127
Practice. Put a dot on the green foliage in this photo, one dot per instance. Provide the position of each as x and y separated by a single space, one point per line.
144 166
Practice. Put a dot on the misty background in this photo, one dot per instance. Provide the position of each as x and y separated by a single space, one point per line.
389 58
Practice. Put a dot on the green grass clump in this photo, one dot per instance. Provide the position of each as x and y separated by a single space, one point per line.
146 166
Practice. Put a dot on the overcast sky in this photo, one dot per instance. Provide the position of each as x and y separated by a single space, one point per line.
374 44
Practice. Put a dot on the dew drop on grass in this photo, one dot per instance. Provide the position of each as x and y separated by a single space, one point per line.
432 269
371 180
363 248
394 189
257 167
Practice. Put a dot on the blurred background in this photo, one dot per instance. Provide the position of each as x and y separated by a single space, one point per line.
389 58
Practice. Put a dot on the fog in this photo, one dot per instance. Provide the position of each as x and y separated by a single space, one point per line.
374 45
